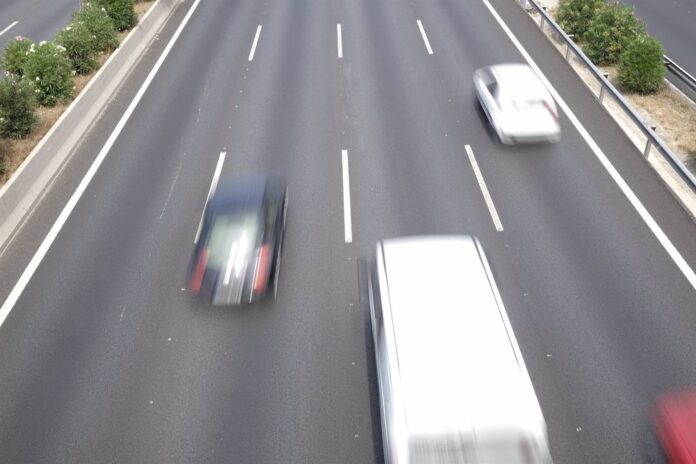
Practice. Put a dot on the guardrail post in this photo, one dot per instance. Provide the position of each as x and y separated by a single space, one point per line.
567 55
601 91
648 143
541 19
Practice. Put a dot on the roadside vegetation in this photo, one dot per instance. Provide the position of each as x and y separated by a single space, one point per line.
41 79
613 37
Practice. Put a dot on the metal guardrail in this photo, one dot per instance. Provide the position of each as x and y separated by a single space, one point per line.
679 72
653 141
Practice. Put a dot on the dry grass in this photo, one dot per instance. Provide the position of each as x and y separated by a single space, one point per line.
672 115
14 151
668 110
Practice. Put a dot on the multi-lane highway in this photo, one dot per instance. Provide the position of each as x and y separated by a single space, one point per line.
103 357
36 19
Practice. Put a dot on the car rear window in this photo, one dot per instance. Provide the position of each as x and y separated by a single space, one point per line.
231 232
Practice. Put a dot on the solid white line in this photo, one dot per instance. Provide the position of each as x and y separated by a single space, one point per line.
632 198
9 27
211 190
346 197
425 37
256 40
84 183
340 40
484 189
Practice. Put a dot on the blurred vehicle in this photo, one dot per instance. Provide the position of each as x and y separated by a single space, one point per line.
237 255
675 424
517 105
452 383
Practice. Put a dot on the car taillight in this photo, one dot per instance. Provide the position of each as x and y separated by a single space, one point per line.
552 110
198 272
262 266
526 452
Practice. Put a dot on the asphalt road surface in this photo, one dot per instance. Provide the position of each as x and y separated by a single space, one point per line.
103 357
37 19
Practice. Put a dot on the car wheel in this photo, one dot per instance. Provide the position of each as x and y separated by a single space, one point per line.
276 271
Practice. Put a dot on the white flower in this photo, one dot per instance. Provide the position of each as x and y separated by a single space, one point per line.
38 78
74 72
42 43
61 48
2 119
68 28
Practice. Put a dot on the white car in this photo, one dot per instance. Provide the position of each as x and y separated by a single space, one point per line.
517 105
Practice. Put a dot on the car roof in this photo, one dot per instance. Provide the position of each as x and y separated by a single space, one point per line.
459 365
239 191
518 79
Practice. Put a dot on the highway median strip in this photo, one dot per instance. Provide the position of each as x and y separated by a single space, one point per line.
34 175
84 45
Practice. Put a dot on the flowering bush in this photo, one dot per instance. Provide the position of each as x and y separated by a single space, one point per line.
17 105
15 55
80 46
640 67
50 71
99 25
121 12
610 32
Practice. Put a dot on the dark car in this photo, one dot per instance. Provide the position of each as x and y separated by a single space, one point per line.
675 423
237 255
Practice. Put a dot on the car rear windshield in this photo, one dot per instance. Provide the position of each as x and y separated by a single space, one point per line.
230 232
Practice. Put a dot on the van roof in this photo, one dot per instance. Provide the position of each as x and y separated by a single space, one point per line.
459 364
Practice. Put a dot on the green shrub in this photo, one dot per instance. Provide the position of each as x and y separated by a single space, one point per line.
121 12
99 24
80 46
640 67
49 69
574 16
3 166
610 32
15 55
17 105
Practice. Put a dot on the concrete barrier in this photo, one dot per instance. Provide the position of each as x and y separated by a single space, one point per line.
26 186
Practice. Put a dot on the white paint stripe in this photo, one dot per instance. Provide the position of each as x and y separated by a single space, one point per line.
484 189
84 183
346 197
256 40
632 198
9 27
425 37
340 40
213 186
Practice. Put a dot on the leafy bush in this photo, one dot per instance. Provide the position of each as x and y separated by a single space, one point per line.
49 69
99 25
610 32
640 67
16 52
17 105
80 46
574 16
121 12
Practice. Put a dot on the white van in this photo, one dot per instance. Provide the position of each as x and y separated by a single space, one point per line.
452 382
